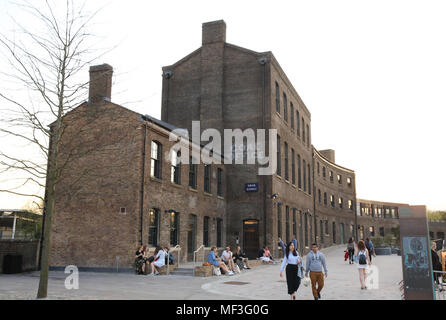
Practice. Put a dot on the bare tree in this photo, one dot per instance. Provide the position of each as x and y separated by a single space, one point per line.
45 56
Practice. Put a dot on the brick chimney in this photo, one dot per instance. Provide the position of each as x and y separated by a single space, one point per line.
214 31
100 83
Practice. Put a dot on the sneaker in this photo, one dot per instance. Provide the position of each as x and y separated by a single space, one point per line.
230 273
248 268
245 267
319 295
157 273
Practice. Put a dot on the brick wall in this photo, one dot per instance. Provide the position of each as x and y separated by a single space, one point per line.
27 248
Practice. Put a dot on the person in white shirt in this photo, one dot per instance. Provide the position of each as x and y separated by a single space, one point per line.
293 262
227 259
159 261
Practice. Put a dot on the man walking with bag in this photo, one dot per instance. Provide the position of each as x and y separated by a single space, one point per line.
314 265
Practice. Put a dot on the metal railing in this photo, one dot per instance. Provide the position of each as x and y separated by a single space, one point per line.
195 255
177 248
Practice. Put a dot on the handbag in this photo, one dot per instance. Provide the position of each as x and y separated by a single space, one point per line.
306 281
300 271
217 271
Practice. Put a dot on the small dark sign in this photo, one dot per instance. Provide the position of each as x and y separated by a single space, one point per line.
251 187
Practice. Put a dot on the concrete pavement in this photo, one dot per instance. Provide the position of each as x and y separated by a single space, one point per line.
262 283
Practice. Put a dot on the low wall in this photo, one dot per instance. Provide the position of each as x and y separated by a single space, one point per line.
26 248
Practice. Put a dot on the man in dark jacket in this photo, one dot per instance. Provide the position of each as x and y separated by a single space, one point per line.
436 264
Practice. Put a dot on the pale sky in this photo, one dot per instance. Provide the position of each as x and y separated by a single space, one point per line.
372 74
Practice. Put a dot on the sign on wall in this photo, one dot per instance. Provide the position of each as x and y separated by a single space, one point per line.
251 187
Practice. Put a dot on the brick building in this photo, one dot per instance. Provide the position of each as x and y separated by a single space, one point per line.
122 189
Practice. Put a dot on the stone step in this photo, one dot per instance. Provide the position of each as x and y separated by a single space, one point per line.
183 272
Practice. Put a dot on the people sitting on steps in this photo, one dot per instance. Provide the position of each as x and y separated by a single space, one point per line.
226 256
217 262
240 258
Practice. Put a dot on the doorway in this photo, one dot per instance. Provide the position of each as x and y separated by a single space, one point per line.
251 238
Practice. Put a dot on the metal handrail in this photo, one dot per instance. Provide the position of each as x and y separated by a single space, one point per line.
195 252
177 247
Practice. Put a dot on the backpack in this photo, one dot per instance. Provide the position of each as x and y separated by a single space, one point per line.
362 259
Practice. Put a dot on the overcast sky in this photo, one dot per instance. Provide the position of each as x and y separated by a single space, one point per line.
372 74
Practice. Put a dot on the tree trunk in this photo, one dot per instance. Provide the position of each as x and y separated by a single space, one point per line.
45 259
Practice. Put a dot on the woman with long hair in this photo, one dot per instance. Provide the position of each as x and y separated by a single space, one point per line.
362 261
159 261
291 260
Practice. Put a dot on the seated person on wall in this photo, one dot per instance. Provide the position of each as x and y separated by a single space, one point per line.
240 258
267 256
169 256
159 260
261 253
227 259
216 262
139 259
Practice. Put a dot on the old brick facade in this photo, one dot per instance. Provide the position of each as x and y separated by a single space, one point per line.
117 192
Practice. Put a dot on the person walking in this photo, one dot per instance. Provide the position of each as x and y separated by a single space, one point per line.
314 265
292 261
362 261
350 250
370 248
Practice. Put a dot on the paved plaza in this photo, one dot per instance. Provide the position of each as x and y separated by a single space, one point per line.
261 282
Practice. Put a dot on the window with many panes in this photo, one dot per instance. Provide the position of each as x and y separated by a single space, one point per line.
287 224
298 123
175 167
154 227
309 179
285 151
219 232
277 98
299 172
220 182
155 161
293 167
304 165
192 174
279 159
206 231
292 115
285 107
207 178
279 220
174 223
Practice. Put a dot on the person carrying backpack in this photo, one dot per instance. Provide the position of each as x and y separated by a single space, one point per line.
362 261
